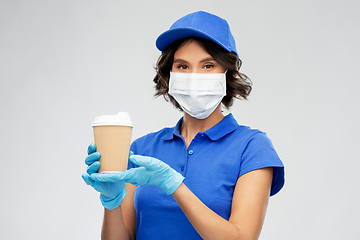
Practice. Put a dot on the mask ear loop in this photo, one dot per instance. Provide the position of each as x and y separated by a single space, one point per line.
222 106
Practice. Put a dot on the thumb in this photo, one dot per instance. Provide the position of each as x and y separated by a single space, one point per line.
87 179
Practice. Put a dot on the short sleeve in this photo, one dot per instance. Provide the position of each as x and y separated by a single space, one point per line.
260 153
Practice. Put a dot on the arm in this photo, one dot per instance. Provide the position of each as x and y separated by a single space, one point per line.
249 206
116 197
249 203
120 222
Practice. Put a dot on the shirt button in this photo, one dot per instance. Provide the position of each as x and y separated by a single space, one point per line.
182 168
191 152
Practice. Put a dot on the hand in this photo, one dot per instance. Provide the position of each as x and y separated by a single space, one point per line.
111 193
152 171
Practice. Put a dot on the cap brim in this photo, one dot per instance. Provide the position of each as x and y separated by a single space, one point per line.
170 36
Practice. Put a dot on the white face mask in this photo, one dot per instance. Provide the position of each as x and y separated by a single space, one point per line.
198 94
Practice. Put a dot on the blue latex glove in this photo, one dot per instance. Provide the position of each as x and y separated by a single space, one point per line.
111 193
152 171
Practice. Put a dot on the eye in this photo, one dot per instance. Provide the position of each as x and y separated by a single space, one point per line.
182 66
207 66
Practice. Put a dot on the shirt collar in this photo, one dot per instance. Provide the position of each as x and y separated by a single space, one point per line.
175 131
225 126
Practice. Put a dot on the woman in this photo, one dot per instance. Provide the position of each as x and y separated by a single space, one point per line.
208 177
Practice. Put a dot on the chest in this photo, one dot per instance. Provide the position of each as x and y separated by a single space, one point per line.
210 168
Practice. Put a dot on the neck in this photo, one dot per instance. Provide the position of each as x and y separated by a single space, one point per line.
191 126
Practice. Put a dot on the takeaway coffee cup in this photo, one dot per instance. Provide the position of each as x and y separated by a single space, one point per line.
112 134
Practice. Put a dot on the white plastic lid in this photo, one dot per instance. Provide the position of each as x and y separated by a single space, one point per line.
121 119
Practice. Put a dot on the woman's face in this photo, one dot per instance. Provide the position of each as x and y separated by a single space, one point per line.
191 58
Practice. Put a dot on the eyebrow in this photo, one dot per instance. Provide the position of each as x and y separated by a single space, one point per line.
204 60
208 59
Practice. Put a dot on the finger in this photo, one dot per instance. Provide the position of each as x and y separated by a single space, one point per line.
91 149
105 177
143 161
87 179
139 160
130 175
93 168
113 177
90 159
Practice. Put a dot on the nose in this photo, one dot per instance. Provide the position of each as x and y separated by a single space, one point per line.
195 70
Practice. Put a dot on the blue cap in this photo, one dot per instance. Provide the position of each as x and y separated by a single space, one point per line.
199 24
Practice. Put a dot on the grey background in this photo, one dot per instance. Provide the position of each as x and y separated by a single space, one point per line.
64 62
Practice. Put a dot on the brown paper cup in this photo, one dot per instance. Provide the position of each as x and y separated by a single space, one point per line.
112 134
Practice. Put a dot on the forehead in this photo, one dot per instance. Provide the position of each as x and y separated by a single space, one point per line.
191 49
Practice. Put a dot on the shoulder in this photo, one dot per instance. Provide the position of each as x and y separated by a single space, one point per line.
257 136
153 135
255 144
244 135
150 138
258 152
146 144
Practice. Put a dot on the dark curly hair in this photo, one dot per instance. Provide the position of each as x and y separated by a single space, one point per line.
238 85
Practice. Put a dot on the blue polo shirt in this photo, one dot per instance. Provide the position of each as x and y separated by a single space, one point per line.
211 165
